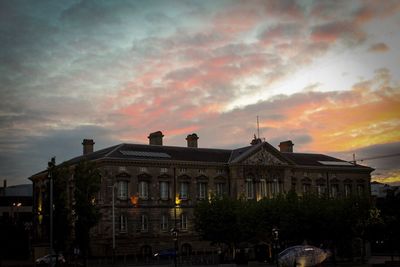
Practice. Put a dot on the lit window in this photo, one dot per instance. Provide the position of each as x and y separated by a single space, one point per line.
202 190
123 226
184 221
263 188
144 223
143 190
220 189
164 222
164 170
347 190
184 190
123 189
249 189
164 190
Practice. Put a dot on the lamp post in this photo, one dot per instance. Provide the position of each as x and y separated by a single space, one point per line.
174 231
113 218
275 236
51 164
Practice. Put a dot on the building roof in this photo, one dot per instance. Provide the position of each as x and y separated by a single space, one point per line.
206 155
319 160
23 190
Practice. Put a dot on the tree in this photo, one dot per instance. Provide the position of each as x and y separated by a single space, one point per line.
87 184
62 218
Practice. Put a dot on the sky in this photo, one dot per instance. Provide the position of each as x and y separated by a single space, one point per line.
324 74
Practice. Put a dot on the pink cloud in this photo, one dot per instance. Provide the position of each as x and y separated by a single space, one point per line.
332 31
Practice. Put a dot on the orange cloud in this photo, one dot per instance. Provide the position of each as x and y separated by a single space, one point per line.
379 48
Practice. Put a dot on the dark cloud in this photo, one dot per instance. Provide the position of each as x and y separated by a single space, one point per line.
18 164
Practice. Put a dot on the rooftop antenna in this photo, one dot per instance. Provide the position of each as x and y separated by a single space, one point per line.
258 129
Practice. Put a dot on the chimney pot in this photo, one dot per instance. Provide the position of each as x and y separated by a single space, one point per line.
286 146
192 140
88 145
156 138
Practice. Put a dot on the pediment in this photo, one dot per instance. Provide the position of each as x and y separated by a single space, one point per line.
265 155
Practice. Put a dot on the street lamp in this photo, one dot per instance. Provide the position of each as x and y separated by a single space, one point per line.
113 218
275 244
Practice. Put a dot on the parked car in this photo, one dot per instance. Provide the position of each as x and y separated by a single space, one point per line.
55 259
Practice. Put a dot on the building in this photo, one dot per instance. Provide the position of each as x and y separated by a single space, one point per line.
16 202
156 187
380 190
15 221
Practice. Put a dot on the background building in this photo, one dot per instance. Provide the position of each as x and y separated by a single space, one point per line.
156 187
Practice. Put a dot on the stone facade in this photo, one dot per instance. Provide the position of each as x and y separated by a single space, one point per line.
156 188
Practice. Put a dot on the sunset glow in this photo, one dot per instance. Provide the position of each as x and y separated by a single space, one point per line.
321 73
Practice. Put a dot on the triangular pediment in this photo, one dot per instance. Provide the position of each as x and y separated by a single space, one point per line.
262 154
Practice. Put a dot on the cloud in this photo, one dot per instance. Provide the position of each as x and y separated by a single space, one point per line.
331 32
378 48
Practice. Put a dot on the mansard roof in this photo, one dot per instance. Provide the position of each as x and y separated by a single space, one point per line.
320 160
144 152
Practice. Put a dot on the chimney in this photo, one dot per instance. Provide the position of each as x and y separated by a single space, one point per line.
286 146
156 138
87 146
192 140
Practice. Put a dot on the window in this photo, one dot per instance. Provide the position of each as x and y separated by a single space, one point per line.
275 187
202 171
220 189
144 223
164 190
143 190
360 189
220 171
123 189
249 189
164 170
184 221
202 190
347 190
263 188
164 222
182 170
305 174
306 188
123 224
183 190
320 190
334 190
143 169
